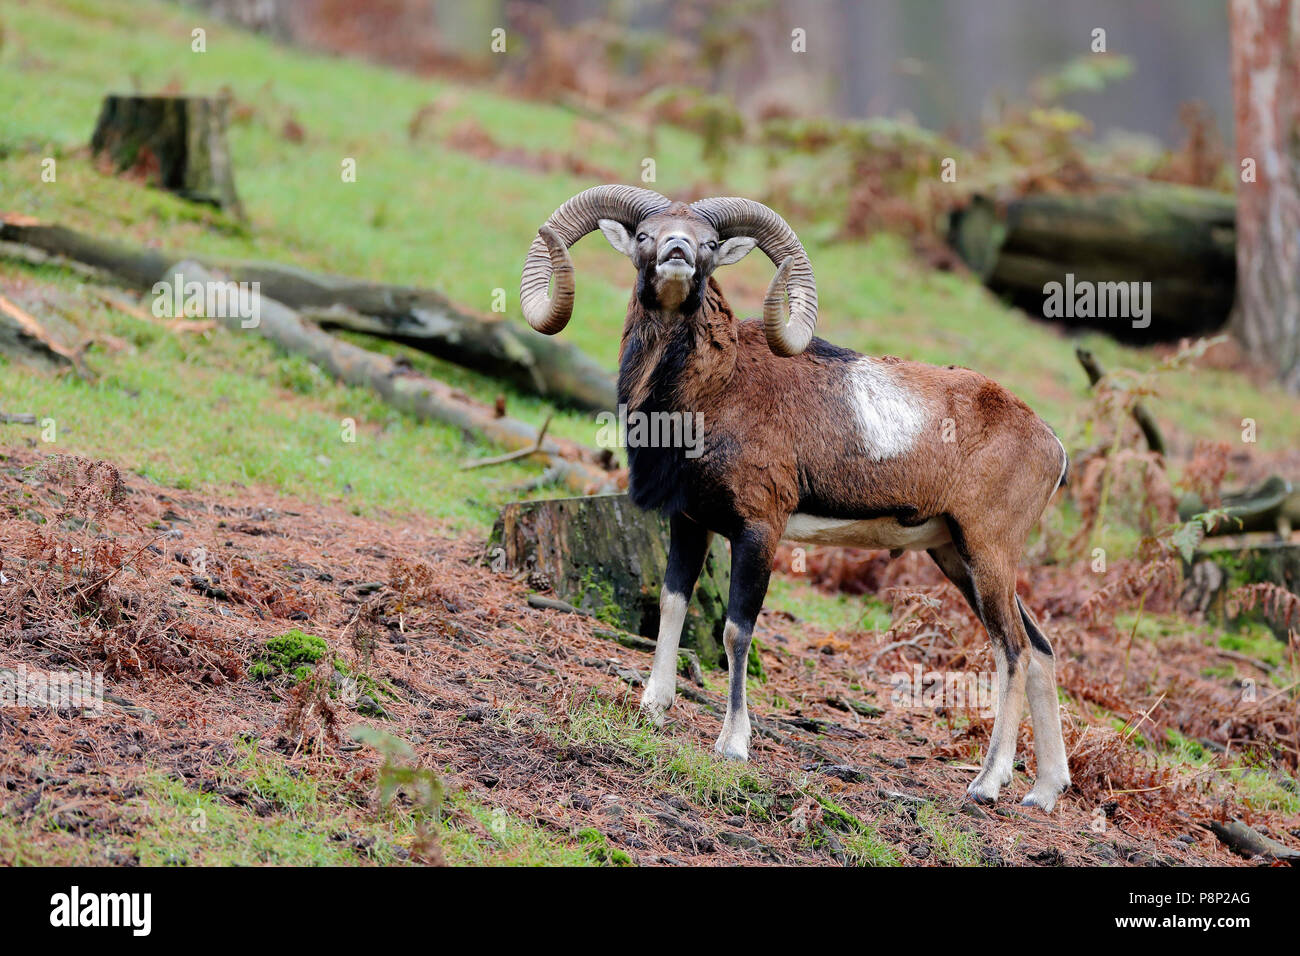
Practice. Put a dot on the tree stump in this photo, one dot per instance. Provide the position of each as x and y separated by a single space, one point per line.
1215 573
607 557
178 143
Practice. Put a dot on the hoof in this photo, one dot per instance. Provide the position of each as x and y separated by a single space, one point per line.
733 749
655 706
985 787
982 795
1044 795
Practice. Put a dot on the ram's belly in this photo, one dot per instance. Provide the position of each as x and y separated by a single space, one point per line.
877 533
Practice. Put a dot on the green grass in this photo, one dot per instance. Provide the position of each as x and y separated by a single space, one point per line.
230 413
168 822
514 842
308 821
1260 788
1266 791
951 843
191 828
862 842
868 848
1250 637
1184 750
680 765
1254 639
834 612
1150 626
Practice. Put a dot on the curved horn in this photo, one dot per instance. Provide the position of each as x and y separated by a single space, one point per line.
732 216
549 254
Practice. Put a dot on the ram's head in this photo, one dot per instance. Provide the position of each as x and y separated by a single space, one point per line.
675 247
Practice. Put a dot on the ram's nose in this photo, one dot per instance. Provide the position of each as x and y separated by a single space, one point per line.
679 248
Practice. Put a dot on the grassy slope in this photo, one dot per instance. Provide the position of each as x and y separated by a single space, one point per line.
421 213
187 411
299 821
227 410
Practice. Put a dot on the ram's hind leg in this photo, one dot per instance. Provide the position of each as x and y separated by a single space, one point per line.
687 549
988 583
1045 711
997 602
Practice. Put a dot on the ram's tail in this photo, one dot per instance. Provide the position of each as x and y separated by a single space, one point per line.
1065 465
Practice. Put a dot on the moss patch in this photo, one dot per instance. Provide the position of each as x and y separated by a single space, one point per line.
293 653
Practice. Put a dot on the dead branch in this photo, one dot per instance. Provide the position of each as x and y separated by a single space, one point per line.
1150 430
31 327
1247 841
421 318
512 456
416 394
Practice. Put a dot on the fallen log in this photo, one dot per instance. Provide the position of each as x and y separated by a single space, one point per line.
1272 505
178 143
22 336
421 318
428 321
1180 239
136 267
1247 841
580 468
605 557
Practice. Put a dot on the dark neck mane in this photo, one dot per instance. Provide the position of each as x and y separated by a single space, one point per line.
673 363
670 360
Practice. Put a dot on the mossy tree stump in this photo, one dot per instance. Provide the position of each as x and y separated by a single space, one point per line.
605 556
1214 573
176 142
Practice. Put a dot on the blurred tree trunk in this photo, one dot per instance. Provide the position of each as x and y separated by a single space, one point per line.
1266 91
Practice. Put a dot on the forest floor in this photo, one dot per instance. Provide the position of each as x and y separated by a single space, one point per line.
208 752
342 586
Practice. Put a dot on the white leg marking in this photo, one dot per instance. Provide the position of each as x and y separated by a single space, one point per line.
661 685
733 742
1006 728
1049 746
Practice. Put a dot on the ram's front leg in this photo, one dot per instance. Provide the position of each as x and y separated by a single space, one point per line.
751 566
687 549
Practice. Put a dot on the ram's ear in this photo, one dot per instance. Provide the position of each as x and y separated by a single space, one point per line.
733 250
617 236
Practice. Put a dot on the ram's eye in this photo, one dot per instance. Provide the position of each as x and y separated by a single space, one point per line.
712 244
641 237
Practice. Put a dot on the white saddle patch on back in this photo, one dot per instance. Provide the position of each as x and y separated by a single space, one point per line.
873 533
890 415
